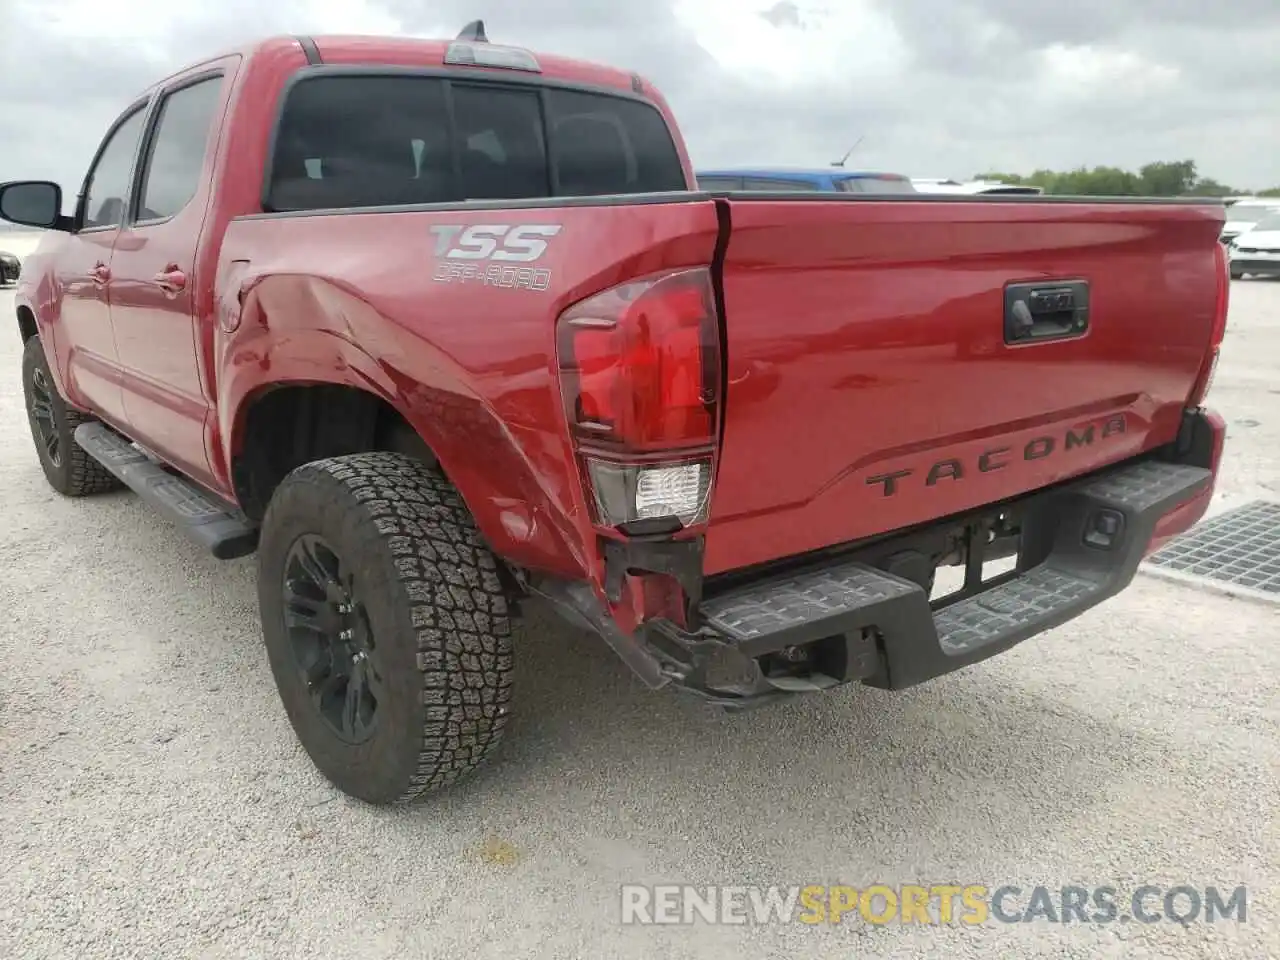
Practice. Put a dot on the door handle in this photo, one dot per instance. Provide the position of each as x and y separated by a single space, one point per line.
100 273
1046 311
171 280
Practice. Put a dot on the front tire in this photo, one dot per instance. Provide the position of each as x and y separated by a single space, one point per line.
1237 274
67 466
385 623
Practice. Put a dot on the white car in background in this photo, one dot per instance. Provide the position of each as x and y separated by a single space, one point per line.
1257 250
1243 214
972 187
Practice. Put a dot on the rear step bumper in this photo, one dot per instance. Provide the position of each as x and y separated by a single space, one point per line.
860 623
215 525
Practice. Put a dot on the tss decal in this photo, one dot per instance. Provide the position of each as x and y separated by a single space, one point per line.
458 247
522 243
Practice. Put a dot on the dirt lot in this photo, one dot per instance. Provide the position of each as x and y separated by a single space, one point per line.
154 803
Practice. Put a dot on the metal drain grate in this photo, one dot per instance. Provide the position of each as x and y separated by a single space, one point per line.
1240 547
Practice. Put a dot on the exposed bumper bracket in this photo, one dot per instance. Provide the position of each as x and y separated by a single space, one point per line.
1082 543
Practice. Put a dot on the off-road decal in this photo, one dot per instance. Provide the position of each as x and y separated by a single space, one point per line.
487 253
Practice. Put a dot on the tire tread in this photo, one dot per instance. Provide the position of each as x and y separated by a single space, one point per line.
454 602
80 474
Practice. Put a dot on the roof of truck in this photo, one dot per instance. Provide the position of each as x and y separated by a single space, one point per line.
375 51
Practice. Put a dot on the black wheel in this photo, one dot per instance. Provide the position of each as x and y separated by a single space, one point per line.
1237 274
68 468
385 623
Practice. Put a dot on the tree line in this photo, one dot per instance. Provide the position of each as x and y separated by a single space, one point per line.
1162 178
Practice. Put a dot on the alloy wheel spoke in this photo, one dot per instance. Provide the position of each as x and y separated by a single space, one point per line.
317 561
303 612
329 634
42 409
352 721
325 688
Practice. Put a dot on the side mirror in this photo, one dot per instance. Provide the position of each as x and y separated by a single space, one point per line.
33 203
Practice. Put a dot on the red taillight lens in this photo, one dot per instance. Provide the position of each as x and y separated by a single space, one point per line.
640 377
1221 307
639 364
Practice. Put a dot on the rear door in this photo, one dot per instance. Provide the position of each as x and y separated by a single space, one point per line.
870 384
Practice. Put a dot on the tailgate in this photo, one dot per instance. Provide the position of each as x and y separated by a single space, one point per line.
876 382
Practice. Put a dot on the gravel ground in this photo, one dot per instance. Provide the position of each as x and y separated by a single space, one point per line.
154 803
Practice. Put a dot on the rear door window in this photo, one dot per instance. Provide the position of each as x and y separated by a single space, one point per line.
175 167
371 140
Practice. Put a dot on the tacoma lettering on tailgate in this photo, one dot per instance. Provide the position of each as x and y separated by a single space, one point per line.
997 458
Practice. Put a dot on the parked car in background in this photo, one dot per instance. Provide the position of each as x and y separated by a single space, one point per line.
973 187
1257 250
1244 214
822 179
10 267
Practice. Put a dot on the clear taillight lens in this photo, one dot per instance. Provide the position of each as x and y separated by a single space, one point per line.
625 494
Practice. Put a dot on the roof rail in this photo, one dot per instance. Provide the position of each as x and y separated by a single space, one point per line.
473 31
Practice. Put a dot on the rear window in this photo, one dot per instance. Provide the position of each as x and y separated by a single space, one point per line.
876 185
371 140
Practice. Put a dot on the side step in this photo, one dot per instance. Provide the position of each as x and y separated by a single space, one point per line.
214 524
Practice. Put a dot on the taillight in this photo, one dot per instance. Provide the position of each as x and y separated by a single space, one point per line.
1223 301
1221 305
640 377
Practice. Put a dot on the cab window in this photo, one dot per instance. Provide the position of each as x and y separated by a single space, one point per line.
108 182
373 140
175 166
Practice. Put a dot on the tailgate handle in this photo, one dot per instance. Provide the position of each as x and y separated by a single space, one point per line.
1035 312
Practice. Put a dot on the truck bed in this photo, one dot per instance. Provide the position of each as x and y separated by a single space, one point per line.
869 381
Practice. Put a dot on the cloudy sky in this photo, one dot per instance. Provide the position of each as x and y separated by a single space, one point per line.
933 87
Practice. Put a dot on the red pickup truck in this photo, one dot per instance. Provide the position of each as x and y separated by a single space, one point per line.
437 327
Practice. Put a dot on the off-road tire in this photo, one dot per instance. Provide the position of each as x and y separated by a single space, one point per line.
434 604
74 473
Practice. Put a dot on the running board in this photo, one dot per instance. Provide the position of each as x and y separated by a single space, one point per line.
211 522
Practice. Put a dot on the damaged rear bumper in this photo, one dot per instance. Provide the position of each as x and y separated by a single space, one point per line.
857 617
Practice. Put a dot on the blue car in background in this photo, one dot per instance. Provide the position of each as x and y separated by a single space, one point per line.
801 179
